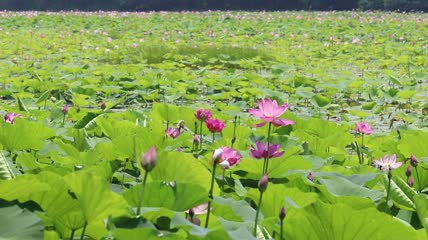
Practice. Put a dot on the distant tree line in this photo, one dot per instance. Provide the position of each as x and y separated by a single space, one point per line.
201 5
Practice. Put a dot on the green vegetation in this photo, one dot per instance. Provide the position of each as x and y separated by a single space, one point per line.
86 95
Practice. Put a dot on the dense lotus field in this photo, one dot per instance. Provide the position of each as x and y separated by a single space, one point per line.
213 125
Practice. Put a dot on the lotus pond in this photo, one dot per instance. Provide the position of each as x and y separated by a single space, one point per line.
213 125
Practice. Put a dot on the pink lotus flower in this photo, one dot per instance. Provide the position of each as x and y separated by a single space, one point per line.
269 112
387 163
203 115
199 210
148 160
10 117
364 128
230 157
172 132
214 125
261 152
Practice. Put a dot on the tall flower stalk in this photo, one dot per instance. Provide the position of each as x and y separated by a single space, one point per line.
414 163
262 185
215 160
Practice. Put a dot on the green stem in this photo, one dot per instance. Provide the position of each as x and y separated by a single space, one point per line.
140 197
224 181
200 136
419 182
210 195
388 191
265 170
63 119
83 231
362 146
282 230
213 137
72 234
257 213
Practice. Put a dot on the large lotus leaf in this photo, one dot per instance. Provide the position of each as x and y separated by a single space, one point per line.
113 128
321 134
21 188
421 202
166 112
278 196
339 186
95 198
137 234
233 210
175 196
21 135
339 221
18 223
182 168
413 142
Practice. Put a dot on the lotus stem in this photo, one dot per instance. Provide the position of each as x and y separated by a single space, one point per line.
282 230
389 189
140 198
72 234
83 231
257 213
200 135
210 195
266 164
419 182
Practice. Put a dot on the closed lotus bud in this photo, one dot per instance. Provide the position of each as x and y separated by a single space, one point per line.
148 160
408 171
65 109
263 183
282 214
217 155
411 181
233 140
103 105
413 161
191 213
310 176
78 109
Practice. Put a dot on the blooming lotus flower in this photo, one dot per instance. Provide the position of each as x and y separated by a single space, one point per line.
269 112
198 210
10 117
203 115
172 132
230 157
217 155
149 159
387 163
214 125
260 152
364 128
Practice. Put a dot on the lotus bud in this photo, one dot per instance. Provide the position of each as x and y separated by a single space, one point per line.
411 181
65 109
310 176
148 160
263 183
408 171
413 160
103 105
282 214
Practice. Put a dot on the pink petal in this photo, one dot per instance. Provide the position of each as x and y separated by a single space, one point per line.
260 124
282 122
